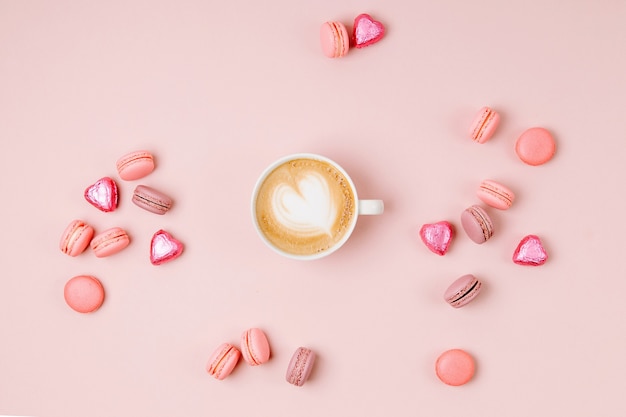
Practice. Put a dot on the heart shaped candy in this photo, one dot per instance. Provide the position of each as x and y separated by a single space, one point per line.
366 31
102 194
437 236
530 251
164 248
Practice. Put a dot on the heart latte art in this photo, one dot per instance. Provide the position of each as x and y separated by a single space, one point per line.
305 206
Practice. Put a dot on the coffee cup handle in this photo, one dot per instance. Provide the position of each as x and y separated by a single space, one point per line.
371 207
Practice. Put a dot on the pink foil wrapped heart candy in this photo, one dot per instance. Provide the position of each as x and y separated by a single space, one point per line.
437 236
164 248
530 251
367 31
102 194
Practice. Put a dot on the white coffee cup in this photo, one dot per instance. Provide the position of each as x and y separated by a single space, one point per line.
305 206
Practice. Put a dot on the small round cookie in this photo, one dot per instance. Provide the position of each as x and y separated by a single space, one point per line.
462 291
222 361
255 347
135 165
535 146
455 367
495 194
84 293
334 39
484 125
76 238
477 224
300 366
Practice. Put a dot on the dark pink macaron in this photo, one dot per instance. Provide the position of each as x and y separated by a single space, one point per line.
151 200
477 224
462 291
300 366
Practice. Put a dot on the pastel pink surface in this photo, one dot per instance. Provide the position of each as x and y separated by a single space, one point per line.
110 242
477 224
535 146
135 165
437 236
102 194
367 31
222 361
151 200
530 251
216 90
84 293
495 194
462 291
255 347
76 237
455 367
300 366
164 248
484 125
334 39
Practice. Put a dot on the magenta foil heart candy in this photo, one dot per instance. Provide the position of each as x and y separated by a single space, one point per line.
102 194
164 248
367 31
530 251
437 236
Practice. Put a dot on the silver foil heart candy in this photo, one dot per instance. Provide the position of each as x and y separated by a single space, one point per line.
530 251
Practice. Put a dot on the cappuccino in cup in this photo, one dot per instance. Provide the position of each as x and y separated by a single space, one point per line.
305 206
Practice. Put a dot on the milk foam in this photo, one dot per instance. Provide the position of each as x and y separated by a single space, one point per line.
307 209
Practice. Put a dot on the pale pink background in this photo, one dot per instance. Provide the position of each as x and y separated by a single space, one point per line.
217 91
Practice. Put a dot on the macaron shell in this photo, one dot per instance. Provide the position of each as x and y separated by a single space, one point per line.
222 361
300 366
76 237
255 347
455 367
535 146
84 293
135 165
334 39
110 242
462 291
484 125
151 200
477 224
495 195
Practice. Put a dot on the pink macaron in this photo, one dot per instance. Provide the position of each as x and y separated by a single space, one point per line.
135 165
255 347
477 224
495 194
109 242
484 125
334 39
76 238
84 293
455 367
535 146
462 291
151 200
222 361
300 366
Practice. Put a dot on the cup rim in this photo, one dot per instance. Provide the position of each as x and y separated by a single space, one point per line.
269 169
